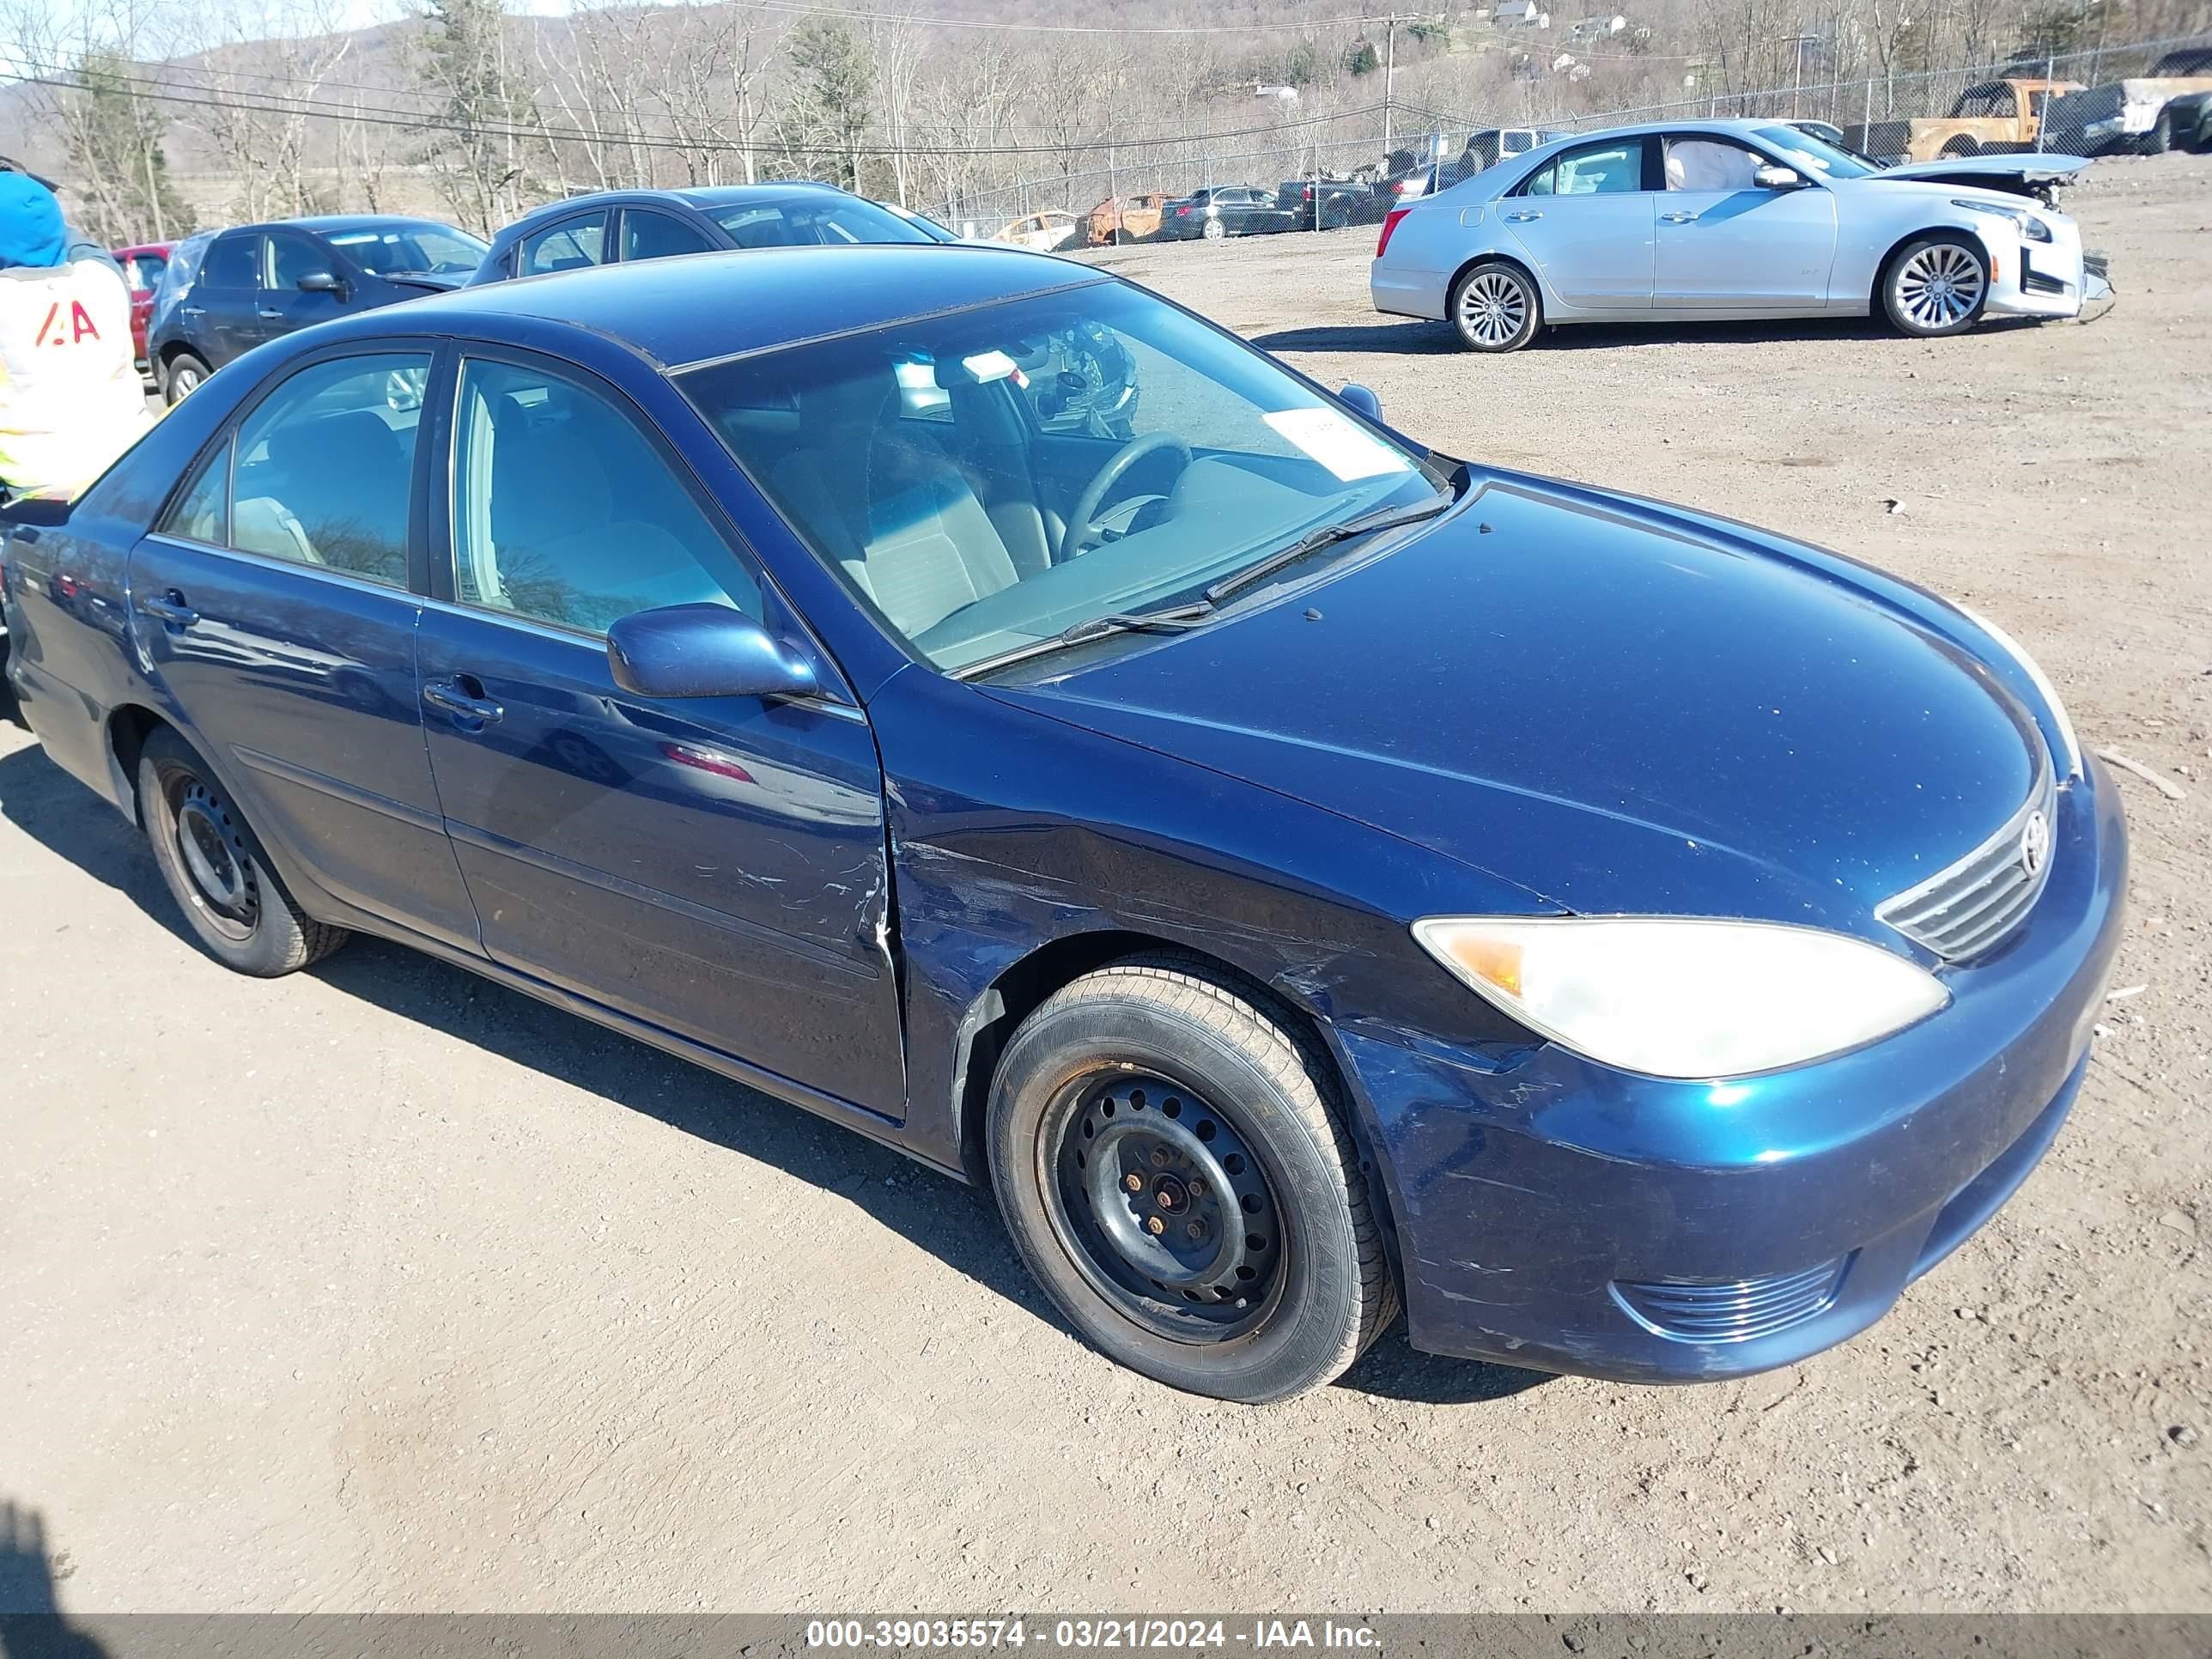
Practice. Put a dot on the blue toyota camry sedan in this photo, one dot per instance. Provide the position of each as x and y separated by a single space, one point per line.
967 696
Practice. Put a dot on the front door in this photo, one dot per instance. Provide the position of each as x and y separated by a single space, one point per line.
283 306
272 602
1726 243
714 866
1586 222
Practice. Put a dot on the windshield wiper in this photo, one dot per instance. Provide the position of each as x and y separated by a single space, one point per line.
1386 519
1171 619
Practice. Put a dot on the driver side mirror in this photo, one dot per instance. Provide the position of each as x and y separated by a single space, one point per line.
1358 397
702 651
1770 177
323 281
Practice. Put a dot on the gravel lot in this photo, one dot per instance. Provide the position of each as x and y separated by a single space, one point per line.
379 1287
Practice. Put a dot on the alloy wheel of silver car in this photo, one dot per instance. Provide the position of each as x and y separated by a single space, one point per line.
1937 287
1494 310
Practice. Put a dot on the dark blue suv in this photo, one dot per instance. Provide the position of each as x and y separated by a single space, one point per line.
226 291
1298 872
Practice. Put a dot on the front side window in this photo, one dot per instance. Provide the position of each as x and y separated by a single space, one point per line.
291 257
564 512
1011 515
1813 157
1611 169
1706 163
569 246
325 466
648 236
810 222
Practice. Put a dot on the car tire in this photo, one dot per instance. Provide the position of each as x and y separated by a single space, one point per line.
1214 231
1495 307
1249 1266
2160 139
182 377
1958 146
1936 285
216 870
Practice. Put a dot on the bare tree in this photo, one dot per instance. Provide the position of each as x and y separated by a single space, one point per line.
266 63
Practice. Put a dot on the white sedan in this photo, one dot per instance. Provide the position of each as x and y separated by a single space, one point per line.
1707 221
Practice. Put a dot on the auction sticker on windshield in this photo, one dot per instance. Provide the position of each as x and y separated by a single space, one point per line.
1337 444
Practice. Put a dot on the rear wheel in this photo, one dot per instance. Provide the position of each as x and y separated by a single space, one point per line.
1958 146
1936 285
1167 1158
2160 139
1214 231
217 871
1495 307
183 377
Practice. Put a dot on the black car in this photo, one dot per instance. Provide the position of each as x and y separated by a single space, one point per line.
655 224
1226 211
1328 203
225 292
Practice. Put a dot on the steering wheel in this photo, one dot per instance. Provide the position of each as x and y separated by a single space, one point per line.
1082 523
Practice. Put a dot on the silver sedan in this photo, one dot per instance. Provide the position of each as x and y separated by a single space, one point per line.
1709 221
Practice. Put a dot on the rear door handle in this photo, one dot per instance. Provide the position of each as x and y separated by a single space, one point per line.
195 311
169 608
1523 217
273 316
462 698
1677 218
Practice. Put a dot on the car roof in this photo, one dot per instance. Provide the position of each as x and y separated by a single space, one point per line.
710 306
697 196
328 222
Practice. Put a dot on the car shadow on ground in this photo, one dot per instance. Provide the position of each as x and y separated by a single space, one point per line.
1427 339
958 1224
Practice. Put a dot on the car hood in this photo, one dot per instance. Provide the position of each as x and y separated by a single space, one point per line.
1617 706
1998 173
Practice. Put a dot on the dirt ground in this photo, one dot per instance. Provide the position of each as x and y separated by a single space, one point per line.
379 1287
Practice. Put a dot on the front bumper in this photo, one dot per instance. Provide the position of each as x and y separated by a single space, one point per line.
1558 1215
2039 279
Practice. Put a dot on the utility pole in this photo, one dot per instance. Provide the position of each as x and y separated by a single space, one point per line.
1389 77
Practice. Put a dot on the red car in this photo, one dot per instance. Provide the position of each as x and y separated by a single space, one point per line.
141 271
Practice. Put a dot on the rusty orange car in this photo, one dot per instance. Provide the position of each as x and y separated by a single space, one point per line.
1125 219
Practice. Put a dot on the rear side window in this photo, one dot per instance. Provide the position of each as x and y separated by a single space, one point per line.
569 246
234 261
1612 169
202 514
647 235
563 512
143 270
325 464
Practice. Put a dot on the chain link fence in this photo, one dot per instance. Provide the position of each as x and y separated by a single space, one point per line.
1280 170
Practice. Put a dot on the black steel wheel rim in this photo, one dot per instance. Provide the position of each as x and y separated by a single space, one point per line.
211 850
1163 1205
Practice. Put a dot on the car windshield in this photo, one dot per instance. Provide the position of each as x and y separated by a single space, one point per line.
408 249
988 480
809 221
1818 154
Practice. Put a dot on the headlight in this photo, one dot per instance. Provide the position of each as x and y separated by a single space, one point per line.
1682 997
2070 747
2026 223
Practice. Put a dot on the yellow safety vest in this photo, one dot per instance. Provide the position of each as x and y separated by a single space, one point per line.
71 399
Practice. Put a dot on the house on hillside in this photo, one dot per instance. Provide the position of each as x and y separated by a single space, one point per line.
1589 31
1519 14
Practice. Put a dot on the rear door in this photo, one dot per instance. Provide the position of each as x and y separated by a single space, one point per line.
219 312
568 244
1586 221
714 866
271 602
1725 242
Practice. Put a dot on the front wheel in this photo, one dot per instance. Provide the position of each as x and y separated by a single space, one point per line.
1495 307
1169 1162
1936 285
183 378
216 870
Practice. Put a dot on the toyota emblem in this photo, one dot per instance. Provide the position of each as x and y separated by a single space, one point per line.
2034 843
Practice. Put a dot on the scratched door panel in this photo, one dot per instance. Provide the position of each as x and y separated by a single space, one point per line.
714 865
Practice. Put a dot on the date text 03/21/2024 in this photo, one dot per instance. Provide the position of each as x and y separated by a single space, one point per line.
1183 1635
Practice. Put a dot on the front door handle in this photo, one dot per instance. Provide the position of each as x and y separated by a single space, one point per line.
462 698
195 311
1523 217
273 316
1677 218
169 608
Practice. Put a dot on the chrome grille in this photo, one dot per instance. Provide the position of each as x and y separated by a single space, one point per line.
1963 910
1735 1311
